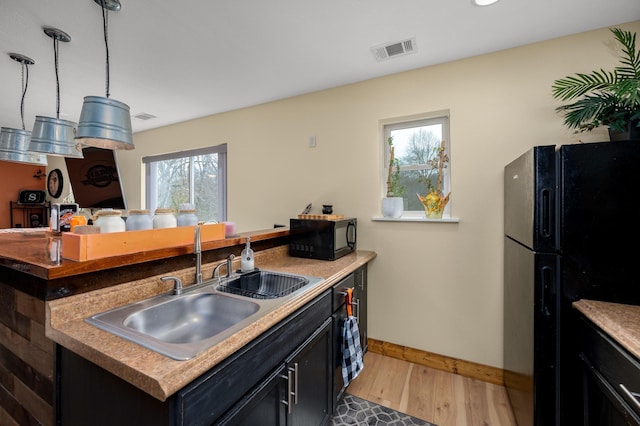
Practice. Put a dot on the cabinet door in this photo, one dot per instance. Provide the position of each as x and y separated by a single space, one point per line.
360 297
263 406
309 387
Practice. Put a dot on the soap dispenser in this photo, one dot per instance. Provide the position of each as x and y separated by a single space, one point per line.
246 263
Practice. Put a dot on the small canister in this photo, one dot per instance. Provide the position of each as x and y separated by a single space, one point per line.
109 221
139 220
164 218
187 217
77 220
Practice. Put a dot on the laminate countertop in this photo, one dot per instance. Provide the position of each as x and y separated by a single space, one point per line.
620 321
159 375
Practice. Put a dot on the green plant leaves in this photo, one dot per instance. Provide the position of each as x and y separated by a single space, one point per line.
603 97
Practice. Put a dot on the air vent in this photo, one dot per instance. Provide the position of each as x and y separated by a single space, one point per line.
144 116
391 50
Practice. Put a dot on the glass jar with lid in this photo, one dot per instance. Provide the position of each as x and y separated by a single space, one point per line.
187 217
109 220
139 220
164 218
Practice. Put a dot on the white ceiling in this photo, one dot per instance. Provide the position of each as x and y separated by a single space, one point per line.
180 60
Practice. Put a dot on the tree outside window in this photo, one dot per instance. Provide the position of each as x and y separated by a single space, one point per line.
195 177
417 144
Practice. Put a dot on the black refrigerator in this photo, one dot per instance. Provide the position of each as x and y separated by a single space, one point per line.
572 228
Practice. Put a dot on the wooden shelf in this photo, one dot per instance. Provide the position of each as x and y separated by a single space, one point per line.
33 215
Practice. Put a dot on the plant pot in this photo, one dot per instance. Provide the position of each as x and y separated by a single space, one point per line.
434 204
392 207
631 134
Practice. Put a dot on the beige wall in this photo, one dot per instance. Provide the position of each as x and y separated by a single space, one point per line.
434 286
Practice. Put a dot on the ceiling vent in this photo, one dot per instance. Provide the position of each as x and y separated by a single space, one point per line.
391 50
144 116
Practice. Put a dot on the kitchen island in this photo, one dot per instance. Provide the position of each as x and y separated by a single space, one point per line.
47 299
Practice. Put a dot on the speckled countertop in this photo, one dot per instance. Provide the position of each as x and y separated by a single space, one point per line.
621 322
156 374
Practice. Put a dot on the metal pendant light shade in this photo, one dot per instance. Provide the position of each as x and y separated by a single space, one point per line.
14 143
55 136
105 122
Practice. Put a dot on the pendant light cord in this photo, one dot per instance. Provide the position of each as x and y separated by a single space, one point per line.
25 83
55 61
105 23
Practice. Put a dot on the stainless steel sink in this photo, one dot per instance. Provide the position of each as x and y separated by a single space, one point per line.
191 318
181 326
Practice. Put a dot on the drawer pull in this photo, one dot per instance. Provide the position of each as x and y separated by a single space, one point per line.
631 397
288 401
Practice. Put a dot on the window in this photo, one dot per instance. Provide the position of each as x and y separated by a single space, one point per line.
197 177
417 141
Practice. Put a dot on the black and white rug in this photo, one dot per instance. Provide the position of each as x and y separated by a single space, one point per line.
357 411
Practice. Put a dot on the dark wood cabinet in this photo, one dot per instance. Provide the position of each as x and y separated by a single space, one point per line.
610 380
309 376
297 393
360 298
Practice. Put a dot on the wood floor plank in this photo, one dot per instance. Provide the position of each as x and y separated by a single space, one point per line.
433 395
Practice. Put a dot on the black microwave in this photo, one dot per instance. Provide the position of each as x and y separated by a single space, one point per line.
322 239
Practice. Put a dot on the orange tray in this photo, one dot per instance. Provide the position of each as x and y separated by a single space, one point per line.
81 247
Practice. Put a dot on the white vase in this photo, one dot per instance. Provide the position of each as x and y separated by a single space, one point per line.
392 207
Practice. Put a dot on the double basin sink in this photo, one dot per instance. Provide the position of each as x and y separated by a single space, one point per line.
183 325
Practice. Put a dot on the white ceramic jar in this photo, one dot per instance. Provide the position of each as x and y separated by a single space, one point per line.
164 218
139 220
109 221
187 217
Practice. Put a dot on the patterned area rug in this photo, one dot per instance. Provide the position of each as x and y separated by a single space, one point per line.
356 411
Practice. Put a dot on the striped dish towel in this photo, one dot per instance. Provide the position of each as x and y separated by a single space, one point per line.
351 350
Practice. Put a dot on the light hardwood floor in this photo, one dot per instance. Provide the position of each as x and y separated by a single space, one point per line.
436 396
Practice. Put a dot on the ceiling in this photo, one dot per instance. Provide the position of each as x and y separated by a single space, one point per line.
183 60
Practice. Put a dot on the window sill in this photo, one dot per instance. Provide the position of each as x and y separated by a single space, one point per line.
415 219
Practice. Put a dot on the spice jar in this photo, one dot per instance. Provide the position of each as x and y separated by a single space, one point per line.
109 221
139 220
164 218
77 220
187 217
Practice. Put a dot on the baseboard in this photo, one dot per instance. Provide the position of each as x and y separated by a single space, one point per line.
439 362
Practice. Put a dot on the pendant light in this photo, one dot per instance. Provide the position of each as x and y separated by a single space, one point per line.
105 122
54 136
14 143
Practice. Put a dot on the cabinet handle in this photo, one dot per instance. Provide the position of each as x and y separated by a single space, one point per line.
295 387
287 402
356 312
631 397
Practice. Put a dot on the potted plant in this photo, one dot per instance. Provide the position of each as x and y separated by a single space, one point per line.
605 98
435 201
393 203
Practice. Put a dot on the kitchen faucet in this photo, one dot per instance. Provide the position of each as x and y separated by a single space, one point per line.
229 263
197 249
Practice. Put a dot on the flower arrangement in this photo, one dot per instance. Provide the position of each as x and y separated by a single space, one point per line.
394 188
434 201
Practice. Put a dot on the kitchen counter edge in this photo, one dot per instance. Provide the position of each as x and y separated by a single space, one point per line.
620 321
156 374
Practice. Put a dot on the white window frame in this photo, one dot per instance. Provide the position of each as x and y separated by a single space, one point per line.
385 127
151 179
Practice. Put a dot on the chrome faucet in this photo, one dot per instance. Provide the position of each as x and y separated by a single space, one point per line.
177 284
229 263
197 249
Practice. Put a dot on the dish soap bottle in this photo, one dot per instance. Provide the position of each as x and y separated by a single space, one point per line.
246 263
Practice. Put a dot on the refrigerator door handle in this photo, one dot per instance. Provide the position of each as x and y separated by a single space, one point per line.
546 213
545 290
